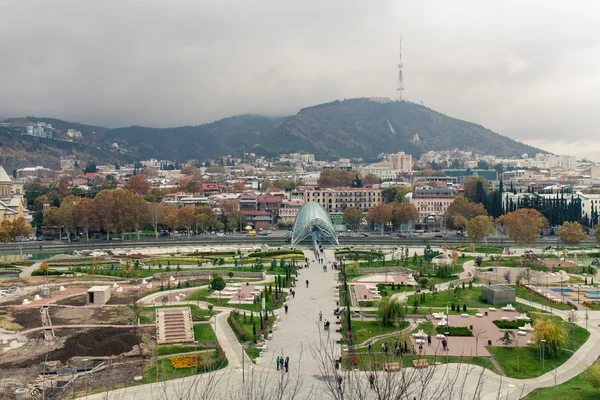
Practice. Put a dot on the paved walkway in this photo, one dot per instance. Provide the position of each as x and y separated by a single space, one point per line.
299 328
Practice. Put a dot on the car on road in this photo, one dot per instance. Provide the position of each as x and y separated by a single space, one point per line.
364 235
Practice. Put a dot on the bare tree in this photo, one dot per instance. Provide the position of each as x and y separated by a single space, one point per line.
478 333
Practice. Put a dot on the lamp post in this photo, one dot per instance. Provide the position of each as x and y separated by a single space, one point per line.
586 319
543 365
447 331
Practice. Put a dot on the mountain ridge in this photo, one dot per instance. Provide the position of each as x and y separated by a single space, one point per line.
349 128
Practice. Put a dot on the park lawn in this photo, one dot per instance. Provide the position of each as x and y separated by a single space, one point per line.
167 372
397 289
204 333
529 358
376 361
198 314
258 306
575 388
527 295
470 297
168 350
482 249
593 306
364 330
202 295
503 262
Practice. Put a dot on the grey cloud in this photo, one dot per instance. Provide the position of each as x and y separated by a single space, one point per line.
525 69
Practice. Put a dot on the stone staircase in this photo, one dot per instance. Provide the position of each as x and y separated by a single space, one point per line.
174 325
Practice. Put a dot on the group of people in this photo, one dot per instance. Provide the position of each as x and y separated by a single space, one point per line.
283 363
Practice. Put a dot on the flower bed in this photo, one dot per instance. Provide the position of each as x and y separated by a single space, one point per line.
189 361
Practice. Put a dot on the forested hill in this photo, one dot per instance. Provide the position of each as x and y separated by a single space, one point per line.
349 128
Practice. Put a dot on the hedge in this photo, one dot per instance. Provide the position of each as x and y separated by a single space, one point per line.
39 272
239 331
454 330
275 253
504 324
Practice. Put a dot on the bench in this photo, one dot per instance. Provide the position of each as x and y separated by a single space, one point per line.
420 364
391 367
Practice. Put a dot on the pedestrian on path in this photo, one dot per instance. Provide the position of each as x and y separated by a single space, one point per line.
286 308
278 360
287 364
307 283
320 316
369 348
293 294
428 340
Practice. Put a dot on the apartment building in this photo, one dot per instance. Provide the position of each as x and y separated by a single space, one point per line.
289 209
335 200
432 201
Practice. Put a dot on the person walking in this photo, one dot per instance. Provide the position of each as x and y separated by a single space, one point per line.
428 340
372 381
286 308
277 361
369 348
307 283
293 294
287 364
320 316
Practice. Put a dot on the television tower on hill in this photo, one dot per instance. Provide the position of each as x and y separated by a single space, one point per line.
400 85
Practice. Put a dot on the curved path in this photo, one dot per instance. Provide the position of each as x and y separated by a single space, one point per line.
300 328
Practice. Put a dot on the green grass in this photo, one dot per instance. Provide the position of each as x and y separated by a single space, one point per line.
528 363
527 295
483 249
258 306
199 295
369 362
148 314
575 388
168 350
364 330
204 333
247 326
163 370
470 297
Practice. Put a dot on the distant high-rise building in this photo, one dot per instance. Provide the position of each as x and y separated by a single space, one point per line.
401 161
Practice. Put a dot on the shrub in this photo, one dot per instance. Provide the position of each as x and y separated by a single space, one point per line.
240 332
39 272
454 330
503 324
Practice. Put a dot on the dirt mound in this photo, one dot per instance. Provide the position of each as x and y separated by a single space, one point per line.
96 342
28 317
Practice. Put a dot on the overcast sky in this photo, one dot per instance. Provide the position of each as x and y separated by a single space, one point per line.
526 69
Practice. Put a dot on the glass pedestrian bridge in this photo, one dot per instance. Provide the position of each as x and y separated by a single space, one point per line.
312 222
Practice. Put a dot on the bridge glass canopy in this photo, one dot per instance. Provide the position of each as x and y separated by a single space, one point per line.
312 220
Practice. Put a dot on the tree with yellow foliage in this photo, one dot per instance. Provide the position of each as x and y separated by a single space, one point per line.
571 233
479 228
552 332
523 225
